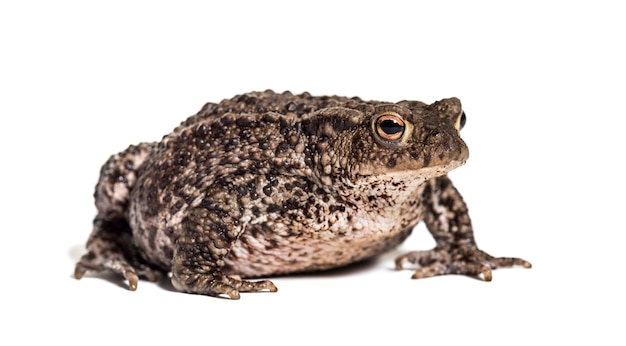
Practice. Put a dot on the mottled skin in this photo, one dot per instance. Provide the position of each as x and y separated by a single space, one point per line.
266 184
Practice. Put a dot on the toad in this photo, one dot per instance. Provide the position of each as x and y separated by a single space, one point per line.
267 184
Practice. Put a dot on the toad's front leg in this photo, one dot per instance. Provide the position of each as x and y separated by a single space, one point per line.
447 219
199 255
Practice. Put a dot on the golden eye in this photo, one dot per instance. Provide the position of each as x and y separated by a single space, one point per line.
460 121
390 126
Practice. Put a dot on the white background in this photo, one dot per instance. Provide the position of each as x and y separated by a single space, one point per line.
542 84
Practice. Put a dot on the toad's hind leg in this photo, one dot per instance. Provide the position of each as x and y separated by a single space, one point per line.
199 255
110 245
447 219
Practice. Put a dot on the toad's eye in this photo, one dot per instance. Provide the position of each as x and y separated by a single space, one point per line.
390 126
460 121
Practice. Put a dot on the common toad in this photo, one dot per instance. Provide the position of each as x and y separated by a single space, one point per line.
265 184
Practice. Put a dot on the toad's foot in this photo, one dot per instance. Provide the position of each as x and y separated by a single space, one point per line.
131 273
219 284
467 260
110 248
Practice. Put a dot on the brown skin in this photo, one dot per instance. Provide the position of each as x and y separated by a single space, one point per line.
266 184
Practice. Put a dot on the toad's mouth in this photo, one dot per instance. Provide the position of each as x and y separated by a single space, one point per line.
411 173
439 170
402 182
